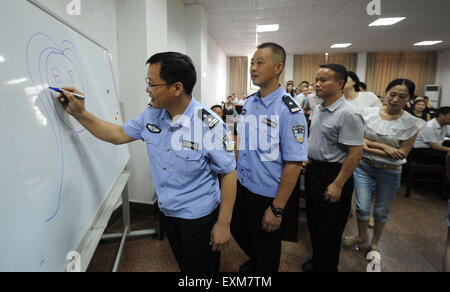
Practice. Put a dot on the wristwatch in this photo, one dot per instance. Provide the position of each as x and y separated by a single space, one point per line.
278 212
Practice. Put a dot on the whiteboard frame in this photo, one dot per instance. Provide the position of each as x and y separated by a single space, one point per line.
93 234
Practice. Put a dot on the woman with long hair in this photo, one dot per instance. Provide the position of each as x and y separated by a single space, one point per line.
389 137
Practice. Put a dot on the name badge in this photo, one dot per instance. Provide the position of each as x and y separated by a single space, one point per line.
190 145
270 123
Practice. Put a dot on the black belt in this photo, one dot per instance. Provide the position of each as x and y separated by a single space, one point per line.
318 163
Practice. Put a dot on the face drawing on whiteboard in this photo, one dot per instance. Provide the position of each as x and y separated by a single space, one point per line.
57 65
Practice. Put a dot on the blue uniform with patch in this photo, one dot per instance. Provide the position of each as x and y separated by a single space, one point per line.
185 158
272 130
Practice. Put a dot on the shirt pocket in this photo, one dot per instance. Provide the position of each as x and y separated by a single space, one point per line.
268 143
330 134
153 142
189 162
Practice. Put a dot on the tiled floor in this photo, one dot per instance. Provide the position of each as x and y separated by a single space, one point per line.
413 241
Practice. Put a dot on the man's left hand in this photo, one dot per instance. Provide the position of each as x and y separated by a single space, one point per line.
220 236
333 193
270 222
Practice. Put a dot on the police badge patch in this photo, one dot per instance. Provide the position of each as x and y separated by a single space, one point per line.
299 133
153 129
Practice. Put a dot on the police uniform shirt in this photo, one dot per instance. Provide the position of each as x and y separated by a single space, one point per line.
433 132
333 129
185 158
272 130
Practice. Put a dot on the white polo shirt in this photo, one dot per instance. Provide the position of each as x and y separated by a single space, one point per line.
433 132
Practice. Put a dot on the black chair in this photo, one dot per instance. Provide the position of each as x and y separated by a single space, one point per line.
424 173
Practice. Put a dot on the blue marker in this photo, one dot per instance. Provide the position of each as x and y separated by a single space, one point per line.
62 91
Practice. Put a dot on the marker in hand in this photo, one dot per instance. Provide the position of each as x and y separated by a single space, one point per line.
62 91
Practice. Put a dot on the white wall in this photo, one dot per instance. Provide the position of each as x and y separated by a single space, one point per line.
156 26
289 69
176 28
443 76
361 66
216 80
133 54
196 25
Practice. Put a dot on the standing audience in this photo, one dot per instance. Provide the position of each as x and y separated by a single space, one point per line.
335 148
272 148
389 137
358 141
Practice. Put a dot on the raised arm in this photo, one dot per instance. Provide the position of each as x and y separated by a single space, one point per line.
102 130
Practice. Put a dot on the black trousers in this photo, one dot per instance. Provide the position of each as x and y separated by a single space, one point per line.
326 221
263 248
190 243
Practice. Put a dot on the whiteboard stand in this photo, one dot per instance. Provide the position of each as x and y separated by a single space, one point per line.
88 244
127 229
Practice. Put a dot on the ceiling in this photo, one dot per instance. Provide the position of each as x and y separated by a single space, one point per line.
312 26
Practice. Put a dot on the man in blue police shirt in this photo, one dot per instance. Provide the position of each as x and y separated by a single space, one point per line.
272 147
188 148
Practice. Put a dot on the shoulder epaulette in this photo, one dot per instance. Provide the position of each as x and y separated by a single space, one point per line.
251 95
207 118
293 107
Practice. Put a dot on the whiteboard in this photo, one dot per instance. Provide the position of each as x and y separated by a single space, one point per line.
54 174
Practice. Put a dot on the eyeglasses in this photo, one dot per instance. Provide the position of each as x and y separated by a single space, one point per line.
151 86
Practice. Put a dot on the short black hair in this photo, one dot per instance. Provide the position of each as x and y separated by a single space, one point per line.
277 50
176 67
445 110
362 85
402 81
340 72
355 78
304 82
216 106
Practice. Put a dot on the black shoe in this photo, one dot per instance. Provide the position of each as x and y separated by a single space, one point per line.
246 267
309 267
